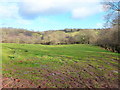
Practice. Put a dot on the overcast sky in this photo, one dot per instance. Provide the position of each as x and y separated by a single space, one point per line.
51 14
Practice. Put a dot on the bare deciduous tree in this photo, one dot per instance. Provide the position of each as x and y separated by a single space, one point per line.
113 9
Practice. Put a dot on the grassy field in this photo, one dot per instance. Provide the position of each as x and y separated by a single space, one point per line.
57 66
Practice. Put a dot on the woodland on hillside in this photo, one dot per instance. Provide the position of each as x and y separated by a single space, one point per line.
67 36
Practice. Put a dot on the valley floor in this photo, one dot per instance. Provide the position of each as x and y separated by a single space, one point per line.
58 66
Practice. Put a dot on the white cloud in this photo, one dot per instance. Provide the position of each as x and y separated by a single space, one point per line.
34 8
9 1
83 12
78 8
8 11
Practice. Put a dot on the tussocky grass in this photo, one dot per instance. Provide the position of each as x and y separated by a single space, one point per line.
61 66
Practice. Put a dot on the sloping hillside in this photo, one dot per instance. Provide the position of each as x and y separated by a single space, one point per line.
67 36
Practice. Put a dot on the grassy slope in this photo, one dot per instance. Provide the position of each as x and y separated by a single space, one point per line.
61 65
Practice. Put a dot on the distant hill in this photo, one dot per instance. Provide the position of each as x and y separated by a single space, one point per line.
66 36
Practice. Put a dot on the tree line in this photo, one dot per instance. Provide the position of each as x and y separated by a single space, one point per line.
111 37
